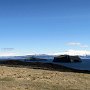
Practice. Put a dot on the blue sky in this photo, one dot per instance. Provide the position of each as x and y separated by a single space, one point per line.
45 26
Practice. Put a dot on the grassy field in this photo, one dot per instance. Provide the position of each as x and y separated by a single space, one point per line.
24 78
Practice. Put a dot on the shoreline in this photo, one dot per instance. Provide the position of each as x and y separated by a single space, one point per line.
40 65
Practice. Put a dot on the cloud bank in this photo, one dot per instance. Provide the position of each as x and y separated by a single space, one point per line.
69 52
74 52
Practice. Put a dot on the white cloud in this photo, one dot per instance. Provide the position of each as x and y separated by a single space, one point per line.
16 53
7 54
74 52
69 52
77 44
74 44
84 46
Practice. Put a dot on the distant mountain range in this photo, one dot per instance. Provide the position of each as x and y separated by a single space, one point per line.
41 56
28 56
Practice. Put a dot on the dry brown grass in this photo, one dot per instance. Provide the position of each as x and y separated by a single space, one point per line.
23 78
